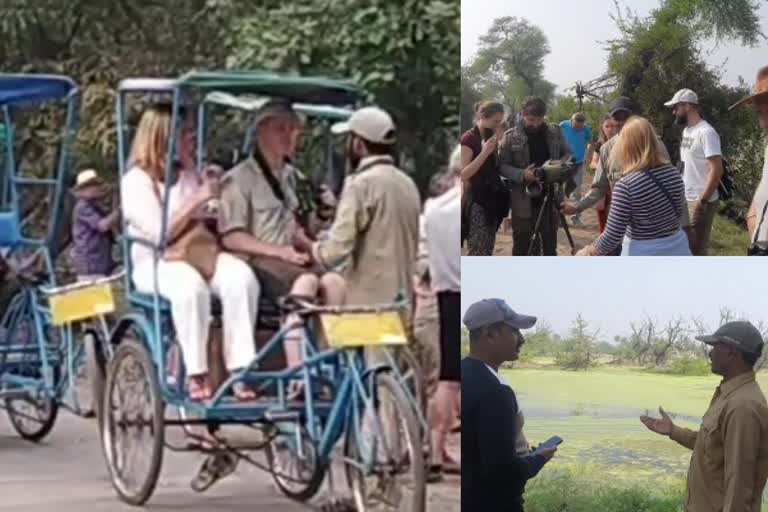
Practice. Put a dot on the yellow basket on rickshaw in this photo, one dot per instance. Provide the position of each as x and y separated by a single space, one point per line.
81 301
364 329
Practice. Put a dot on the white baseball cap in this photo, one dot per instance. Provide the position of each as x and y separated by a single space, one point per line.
85 178
683 96
371 123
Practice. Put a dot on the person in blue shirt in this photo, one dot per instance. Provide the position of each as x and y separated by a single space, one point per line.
579 136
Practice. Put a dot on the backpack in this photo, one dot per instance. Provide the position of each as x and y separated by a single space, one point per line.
727 182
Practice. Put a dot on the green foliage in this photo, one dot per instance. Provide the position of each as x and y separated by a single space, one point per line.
543 341
728 238
688 366
464 341
578 351
657 55
403 53
469 96
561 490
509 65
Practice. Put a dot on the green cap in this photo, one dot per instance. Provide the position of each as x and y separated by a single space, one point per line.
742 335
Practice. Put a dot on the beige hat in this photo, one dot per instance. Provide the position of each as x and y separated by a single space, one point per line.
85 178
370 123
760 90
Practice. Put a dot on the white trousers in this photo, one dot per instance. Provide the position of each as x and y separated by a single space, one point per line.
233 283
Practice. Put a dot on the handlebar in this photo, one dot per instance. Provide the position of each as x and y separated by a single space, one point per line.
58 290
303 305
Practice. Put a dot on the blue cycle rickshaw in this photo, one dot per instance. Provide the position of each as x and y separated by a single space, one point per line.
38 353
404 363
367 407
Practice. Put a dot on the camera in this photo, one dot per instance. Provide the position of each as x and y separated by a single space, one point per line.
552 172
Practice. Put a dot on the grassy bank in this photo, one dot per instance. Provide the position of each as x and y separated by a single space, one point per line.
609 461
728 238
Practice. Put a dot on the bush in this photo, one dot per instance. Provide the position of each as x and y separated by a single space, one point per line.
688 366
562 491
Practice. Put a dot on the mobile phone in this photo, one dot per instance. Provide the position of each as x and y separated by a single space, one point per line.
549 443
487 133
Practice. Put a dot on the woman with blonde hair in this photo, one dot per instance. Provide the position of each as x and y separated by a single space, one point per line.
647 201
608 129
143 191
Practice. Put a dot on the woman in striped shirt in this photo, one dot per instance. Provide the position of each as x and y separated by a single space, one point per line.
647 201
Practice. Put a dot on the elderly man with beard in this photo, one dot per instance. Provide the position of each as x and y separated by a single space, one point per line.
729 465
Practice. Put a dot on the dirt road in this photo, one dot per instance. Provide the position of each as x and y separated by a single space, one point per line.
66 473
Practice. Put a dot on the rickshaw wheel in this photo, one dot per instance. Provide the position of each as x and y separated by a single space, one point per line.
413 380
396 480
33 419
132 373
299 478
96 370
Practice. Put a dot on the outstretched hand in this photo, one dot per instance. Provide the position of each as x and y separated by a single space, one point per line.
661 425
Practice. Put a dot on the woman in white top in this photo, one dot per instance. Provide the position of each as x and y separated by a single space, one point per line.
142 190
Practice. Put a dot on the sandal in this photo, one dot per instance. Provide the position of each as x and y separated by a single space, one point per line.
215 467
243 392
198 388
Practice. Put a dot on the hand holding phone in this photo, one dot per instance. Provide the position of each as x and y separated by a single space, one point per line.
552 442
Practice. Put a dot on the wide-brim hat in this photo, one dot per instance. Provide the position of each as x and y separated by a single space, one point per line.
87 178
760 90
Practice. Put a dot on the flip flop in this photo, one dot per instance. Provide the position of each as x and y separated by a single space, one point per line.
214 468
243 393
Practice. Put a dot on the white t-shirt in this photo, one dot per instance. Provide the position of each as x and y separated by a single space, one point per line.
441 222
760 200
699 143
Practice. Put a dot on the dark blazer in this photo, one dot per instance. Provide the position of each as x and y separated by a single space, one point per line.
493 476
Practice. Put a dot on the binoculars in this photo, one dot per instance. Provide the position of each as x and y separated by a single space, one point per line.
550 173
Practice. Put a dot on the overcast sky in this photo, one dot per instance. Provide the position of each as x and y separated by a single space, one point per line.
556 289
575 30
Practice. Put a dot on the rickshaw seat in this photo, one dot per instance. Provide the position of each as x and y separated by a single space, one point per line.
10 229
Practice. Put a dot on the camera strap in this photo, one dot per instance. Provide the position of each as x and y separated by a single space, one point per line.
664 191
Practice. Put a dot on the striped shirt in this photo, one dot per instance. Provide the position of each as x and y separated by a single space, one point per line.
641 211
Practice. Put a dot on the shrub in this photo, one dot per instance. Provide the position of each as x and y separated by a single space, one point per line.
688 366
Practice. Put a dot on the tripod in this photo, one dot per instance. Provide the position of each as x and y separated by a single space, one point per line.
549 204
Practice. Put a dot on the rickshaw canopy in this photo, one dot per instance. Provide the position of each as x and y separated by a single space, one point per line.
249 103
20 88
295 88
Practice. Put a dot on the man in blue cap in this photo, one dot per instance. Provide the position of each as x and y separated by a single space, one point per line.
493 474
729 465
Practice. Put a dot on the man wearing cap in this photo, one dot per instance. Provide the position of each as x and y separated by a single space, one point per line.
527 145
729 465
377 221
494 473
756 221
702 166
609 170
579 137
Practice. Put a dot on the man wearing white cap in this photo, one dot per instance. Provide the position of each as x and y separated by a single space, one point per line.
377 221
702 165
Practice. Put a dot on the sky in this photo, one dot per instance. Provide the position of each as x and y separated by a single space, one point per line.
576 32
556 289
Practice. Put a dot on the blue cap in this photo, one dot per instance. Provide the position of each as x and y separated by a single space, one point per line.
493 311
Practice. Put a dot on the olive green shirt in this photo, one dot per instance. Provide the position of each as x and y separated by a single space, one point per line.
249 204
729 465
377 224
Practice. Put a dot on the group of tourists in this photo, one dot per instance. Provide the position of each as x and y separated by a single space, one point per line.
729 466
249 244
645 205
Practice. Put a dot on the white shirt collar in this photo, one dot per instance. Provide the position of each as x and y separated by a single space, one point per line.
496 374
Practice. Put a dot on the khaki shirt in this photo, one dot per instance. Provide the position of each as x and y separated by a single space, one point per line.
377 223
729 465
609 171
248 203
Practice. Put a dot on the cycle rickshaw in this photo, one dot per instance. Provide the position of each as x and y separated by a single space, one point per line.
343 398
38 353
